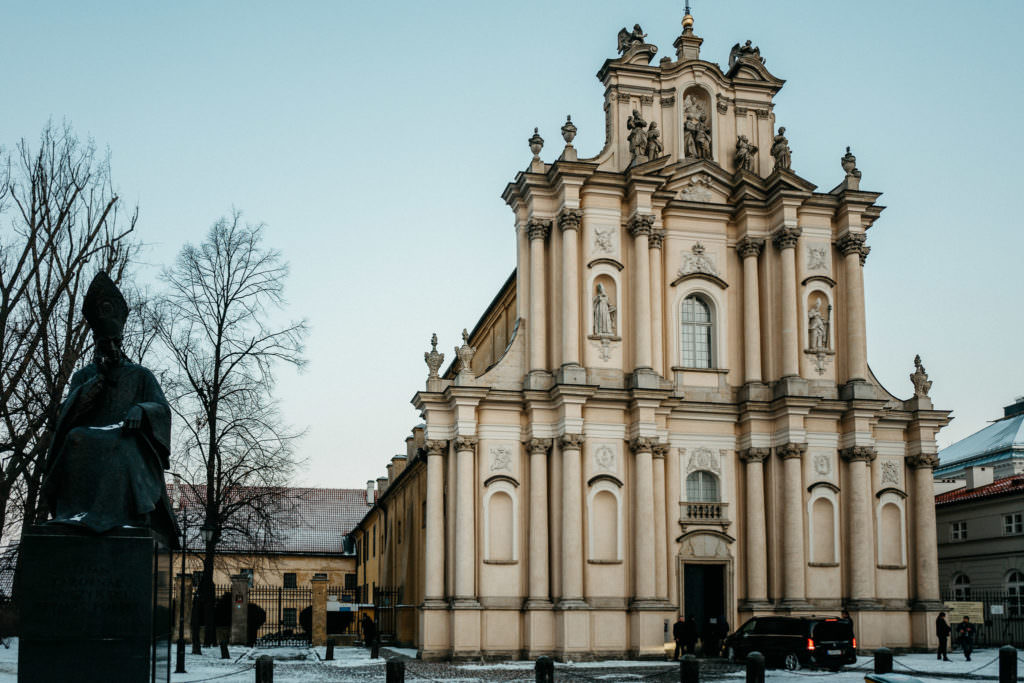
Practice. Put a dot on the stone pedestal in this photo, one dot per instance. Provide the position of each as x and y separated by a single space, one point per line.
94 608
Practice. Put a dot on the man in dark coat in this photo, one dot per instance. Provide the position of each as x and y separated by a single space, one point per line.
369 631
965 636
105 467
690 635
678 633
942 630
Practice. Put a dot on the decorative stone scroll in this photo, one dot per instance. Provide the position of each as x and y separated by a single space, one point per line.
501 458
858 454
891 473
697 261
704 459
697 190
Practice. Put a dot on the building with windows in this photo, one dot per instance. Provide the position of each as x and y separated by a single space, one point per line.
979 513
667 409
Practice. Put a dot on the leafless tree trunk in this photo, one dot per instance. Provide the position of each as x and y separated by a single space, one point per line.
232 448
60 221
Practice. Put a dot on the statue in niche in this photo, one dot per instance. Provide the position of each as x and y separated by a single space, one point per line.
745 154
781 151
604 314
696 132
817 327
628 39
637 138
105 467
654 146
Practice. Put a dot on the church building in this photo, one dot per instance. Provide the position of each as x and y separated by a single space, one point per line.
668 409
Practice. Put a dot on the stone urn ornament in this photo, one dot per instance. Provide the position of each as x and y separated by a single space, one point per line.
568 131
536 144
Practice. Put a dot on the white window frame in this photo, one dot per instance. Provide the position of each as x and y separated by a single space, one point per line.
961 589
958 530
1013 524
718 486
1014 585
717 302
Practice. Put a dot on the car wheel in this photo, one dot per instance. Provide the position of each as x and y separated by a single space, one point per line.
791 662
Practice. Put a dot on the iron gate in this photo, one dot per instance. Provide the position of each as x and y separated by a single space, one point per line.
287 615
385 607
1004 617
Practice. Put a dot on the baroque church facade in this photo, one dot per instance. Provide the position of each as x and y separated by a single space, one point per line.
668 409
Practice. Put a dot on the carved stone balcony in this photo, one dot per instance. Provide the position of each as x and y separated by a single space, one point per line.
712 513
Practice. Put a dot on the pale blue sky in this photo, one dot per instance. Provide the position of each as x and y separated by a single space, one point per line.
375 139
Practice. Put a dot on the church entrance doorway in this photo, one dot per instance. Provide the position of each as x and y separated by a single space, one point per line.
704 597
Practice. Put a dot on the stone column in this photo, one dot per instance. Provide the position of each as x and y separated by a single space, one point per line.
756 561
640 227
240 609
465 520
854 253
658 453
569 222
785 240
672 496
926 560
319 609
572 520
793 566
860 524
643 521
434 548
538 231
749 249
539 591
657 332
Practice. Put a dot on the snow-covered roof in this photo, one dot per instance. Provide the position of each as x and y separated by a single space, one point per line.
994 442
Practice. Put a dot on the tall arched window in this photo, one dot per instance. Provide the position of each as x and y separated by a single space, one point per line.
961 587
1015 593
696 332
702 487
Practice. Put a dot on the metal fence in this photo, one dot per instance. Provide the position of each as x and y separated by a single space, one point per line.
287 614
343 618
385 607
1004 616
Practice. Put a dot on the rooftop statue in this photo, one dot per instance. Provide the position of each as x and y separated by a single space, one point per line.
105 467
745 51
745 154
919 378
780 150
628 39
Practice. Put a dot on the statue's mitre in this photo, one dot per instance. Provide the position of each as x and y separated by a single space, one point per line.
104 308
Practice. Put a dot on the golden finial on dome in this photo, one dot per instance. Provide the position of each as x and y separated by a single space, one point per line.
688 18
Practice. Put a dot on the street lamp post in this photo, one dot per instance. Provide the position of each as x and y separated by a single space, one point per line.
207 531
180 653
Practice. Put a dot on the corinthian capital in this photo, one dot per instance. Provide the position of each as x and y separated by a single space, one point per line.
659 450
538 446
786 238
922 461
656 239
465 443
791 450
641 224
436 447
754 454
864 251
642 444
571 441
851 243
858 454
569 219
750 246
538 228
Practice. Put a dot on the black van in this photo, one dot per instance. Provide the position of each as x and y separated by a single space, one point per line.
793 642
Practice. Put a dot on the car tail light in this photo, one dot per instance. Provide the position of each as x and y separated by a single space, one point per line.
810 644
855 643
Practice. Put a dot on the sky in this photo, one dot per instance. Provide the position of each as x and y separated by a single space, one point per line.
374 141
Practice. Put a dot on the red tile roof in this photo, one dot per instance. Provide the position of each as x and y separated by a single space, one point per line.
1008 486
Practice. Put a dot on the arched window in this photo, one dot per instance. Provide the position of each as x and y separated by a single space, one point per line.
1015 593
702 487
961 587
696 332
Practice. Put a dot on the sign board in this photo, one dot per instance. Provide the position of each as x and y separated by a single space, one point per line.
956 611
995 610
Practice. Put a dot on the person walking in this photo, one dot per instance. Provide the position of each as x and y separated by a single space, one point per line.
942 630
965 632
678 631
369 631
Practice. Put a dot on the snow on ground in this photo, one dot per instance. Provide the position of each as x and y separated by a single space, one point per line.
354 664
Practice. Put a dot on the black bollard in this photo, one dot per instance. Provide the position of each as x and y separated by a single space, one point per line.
755 667
545 670
689 670
883 661
224 654
375 649
1007 664
330 650
264 669
394 670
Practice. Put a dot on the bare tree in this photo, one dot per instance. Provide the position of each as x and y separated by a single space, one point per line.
61 222
232 448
